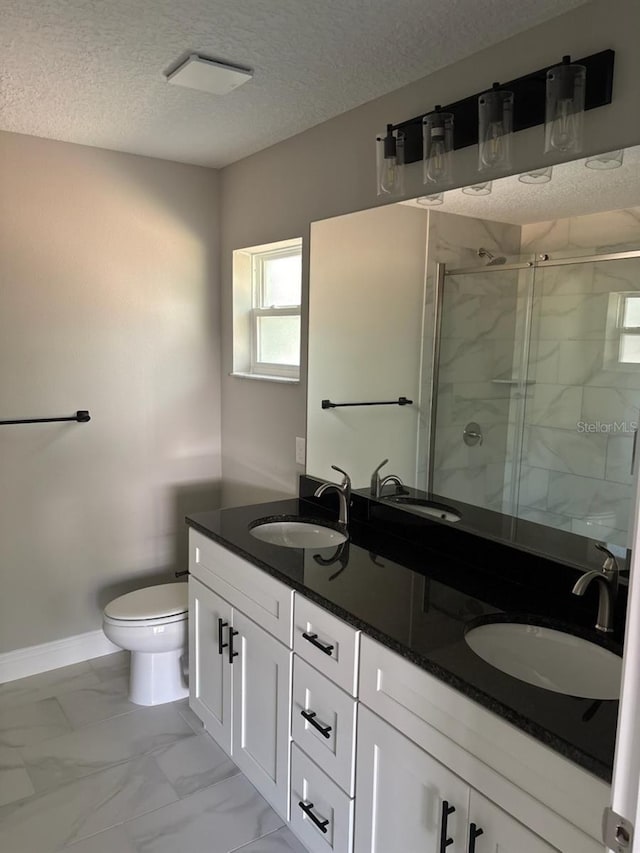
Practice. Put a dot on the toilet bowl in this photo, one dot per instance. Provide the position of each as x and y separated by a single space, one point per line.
151 623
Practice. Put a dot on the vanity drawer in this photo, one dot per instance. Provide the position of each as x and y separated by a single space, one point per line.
327 643
334 712
265 600
332 829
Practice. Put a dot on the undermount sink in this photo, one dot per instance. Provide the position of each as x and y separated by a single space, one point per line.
426 507
293 532
548 658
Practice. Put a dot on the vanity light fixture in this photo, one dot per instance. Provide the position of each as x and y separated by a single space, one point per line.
390 162
554 96
430 200
437 141
610 160
495 129
564 115
537 176
483 188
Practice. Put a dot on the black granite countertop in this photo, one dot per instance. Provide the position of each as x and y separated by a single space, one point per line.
418 601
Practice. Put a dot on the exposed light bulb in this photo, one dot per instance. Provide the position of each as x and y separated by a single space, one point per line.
390 159
495 126
437 136
565 127
566 85
437 160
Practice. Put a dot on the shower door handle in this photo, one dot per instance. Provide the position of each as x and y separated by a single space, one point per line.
633 451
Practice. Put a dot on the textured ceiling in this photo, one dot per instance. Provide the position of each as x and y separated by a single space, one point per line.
91 71
572 191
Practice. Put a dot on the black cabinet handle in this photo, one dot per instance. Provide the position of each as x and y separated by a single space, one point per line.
310 717
474 832
221 624
232 654
313 639
321 824
445 841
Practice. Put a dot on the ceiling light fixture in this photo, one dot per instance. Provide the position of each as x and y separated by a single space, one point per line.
208 75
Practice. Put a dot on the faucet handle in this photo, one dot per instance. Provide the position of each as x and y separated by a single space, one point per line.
611 563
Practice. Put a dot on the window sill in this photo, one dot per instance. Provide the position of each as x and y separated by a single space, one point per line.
287 380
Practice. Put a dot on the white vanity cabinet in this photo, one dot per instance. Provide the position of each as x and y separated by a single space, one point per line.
402 792
240 673
359 749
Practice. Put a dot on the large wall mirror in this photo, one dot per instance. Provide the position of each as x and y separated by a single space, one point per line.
511 320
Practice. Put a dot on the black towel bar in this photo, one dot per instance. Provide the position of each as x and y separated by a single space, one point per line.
401 401
81 416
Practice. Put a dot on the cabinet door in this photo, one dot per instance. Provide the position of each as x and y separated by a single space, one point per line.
209 671
262 710
405 800
493 831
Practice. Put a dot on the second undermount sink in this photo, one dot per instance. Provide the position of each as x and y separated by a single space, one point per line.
294 532
548 658
426 507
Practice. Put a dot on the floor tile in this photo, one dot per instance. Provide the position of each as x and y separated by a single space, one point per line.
95 747
185 711
194 763
109 666
15 783
111 841
29 724
99 702
50 821
46 684
281 841
216 820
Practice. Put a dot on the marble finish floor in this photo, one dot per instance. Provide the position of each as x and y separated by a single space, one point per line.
82 770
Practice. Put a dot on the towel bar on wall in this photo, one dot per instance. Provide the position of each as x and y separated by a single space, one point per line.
81 416
401 401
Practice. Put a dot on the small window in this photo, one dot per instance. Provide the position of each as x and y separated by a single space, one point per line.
267 292
629 328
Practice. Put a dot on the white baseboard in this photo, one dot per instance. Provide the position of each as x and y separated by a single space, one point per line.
34 659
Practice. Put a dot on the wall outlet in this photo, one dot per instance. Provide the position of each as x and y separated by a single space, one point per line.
301 450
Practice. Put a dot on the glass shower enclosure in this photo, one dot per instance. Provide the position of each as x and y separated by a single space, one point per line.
535 391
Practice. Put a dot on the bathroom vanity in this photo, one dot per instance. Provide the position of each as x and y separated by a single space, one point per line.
339 681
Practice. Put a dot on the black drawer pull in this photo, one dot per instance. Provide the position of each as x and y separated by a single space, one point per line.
310 717
313 639
221 624
445 841
474 832
232 654
321 824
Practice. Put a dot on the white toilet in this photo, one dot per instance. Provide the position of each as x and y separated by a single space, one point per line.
152 623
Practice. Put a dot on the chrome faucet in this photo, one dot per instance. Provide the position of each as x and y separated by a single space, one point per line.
607 578
344 494
377 484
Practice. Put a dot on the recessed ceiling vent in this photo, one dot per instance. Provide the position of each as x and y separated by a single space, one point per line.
217 78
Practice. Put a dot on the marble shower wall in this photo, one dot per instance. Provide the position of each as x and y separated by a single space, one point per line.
478 325
581 411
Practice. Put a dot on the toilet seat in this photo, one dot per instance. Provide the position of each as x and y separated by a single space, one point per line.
153 605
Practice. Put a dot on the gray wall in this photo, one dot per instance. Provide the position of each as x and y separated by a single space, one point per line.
108 302
329 170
